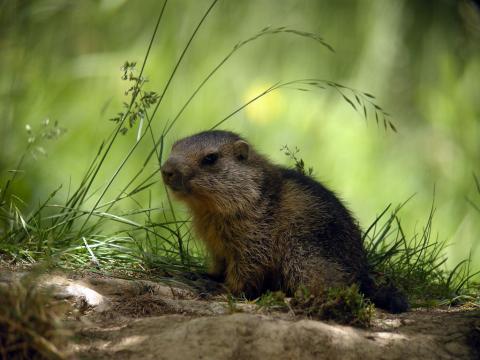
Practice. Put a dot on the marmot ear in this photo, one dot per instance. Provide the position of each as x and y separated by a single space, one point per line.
241 150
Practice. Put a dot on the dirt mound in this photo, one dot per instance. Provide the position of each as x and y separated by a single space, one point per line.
136 319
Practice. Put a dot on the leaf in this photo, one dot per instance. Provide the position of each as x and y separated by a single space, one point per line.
392 126
358 99
369 95
477 183
350 102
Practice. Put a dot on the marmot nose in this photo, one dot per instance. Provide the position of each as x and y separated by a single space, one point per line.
168 172
175 174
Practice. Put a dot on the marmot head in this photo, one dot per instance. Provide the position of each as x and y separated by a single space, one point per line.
213 171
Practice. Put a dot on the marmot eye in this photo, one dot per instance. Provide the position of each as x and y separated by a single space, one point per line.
210 159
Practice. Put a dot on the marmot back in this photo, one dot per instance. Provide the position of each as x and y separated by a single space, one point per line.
267 227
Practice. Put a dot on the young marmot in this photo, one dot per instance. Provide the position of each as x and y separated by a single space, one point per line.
267 227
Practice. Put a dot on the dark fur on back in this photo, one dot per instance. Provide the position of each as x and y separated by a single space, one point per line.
265 226
336 234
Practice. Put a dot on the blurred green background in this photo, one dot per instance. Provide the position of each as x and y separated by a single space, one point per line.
60 59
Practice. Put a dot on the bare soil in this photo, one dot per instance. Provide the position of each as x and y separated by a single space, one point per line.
112 318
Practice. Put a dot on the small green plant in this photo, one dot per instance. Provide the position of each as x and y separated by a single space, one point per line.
232 304
16 226
140 99
36 137
416 263
345 305
299 163
348 306
272 300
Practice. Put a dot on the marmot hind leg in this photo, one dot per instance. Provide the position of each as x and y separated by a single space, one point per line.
313 273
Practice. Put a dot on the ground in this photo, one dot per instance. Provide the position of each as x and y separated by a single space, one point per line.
112 318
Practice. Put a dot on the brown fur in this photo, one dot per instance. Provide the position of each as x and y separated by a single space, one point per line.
265 227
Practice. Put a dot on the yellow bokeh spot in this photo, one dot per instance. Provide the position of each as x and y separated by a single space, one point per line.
266 108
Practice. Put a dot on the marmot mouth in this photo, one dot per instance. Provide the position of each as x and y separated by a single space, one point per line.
180 189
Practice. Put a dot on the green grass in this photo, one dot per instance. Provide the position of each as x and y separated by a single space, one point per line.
272 300
416 262
85 229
